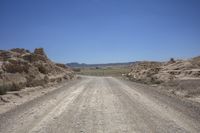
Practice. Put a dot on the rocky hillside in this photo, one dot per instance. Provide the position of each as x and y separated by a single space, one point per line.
21 68
157 72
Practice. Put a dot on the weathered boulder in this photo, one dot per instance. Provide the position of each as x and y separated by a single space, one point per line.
40 51
36 80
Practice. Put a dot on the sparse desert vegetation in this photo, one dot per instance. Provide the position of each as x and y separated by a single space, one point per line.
104 71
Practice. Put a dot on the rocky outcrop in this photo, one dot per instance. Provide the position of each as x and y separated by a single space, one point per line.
20 68
157 72
144 71
40 51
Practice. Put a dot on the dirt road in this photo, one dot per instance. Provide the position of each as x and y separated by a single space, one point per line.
103 105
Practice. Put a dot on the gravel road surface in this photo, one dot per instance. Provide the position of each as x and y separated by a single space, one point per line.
103 105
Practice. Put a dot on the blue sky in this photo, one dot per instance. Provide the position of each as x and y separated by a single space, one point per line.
102 31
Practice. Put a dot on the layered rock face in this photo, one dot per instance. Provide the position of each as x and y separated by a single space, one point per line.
21 68
156 72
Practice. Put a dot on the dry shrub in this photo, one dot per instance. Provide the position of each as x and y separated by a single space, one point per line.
4 88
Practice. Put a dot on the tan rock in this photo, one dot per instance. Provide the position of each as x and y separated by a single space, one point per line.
20 68
166 71
40 51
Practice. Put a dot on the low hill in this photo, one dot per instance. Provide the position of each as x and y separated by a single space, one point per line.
21 68
81 65
166 71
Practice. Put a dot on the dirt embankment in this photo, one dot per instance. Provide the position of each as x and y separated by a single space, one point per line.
20 68
181 77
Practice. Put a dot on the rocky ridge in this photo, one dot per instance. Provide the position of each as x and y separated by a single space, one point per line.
180 77
155 72
20 68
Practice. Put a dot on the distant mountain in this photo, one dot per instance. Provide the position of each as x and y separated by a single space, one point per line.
79 65
75 64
